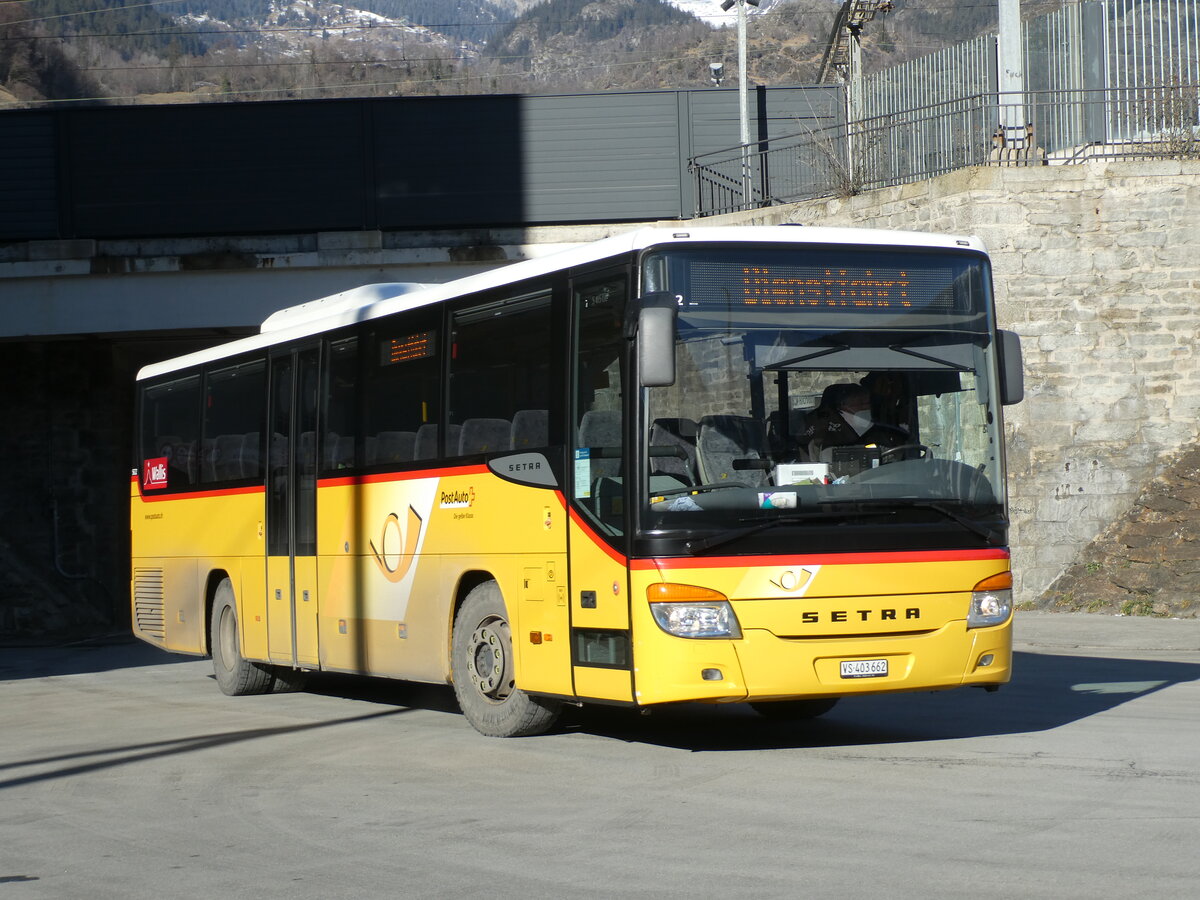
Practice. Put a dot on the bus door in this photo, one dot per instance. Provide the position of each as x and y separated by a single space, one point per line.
601 642
292 508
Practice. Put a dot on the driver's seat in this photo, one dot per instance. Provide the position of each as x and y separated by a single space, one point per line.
722 440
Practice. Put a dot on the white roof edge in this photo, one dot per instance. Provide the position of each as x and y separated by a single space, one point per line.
354 298
375 300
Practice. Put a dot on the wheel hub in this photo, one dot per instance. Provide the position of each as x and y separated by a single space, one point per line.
487 659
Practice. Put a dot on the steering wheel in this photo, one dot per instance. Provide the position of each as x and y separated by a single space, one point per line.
922 451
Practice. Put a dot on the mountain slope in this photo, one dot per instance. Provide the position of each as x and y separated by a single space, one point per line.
278 49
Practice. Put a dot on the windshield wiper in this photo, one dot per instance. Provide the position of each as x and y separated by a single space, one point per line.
988 534
701 544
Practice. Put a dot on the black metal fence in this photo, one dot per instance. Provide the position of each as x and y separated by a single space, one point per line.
1031 128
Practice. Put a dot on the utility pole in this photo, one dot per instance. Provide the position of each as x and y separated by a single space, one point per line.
843 57
1011 71
743 92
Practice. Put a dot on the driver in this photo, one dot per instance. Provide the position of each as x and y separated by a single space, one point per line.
848 423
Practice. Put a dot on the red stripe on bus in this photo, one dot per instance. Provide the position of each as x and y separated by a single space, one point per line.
824 559
196 495
587 529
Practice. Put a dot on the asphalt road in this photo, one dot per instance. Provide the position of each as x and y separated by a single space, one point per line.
125 773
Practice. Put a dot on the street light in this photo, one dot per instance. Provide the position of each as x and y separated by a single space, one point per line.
743 96
716 73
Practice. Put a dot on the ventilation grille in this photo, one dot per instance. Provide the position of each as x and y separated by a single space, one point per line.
148 602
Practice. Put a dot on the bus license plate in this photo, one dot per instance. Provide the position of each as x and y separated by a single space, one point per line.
864 668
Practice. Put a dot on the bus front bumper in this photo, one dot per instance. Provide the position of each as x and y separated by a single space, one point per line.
760 666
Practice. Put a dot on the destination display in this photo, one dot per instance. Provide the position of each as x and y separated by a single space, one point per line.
407 348
816 287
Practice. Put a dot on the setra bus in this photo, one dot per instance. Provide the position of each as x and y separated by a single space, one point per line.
715 464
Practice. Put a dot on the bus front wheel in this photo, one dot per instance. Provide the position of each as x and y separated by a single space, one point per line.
795 709
236 676
485 674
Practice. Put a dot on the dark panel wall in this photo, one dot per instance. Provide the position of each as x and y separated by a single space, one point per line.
447 161
392 163
175 170
28 183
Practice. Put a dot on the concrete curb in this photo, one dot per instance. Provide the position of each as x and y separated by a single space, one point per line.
1069 631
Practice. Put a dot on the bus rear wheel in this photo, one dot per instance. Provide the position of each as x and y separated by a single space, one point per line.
795 709
236 676
485 674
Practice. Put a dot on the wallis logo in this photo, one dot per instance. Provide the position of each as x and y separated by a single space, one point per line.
397 547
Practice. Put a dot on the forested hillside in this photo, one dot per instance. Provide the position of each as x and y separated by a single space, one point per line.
205 50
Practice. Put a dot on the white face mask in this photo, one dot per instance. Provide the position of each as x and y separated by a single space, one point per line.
859 421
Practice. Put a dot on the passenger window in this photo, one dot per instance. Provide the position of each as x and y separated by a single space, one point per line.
171 434
401 394
234 410
339 408
500 377
599 384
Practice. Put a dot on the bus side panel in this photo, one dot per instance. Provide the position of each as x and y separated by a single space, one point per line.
794 638
600 632
393 552
177 541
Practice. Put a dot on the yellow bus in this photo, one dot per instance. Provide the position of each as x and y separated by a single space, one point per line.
724 465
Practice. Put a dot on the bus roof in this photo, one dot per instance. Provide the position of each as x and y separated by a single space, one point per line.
376 300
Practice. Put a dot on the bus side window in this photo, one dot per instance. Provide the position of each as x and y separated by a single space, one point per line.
339 408
234 411
599 458
500 375
400 393
170 416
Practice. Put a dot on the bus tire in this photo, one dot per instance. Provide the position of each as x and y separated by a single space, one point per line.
795 709
484 672
236 676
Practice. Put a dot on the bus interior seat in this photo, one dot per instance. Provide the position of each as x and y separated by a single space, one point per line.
725 439
306 452
251 456
181 456
426 445
678 435
600 431
343 454
166 445
484 435
530 428
227 457
788 445
394 446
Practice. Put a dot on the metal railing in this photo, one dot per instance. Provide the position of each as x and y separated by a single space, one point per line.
1064 126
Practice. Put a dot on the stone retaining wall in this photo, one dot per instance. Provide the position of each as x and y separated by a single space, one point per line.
1097 267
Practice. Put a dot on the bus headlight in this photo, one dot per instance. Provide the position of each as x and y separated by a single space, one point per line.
991 601
688 611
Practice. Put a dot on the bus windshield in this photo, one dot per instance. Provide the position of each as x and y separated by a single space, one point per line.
853 387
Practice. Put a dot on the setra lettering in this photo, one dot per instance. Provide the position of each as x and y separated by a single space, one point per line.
524 467
813 617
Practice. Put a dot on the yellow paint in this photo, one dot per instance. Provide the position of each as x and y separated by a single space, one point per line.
393 556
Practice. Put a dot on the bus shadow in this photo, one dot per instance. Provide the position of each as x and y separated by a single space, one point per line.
1046 692
386 691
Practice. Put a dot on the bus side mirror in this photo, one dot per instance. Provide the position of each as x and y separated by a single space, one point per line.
655 337
1012 372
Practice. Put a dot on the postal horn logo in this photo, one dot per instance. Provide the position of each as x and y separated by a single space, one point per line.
397 549
793 580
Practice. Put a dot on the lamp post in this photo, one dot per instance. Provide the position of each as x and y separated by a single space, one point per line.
743 95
